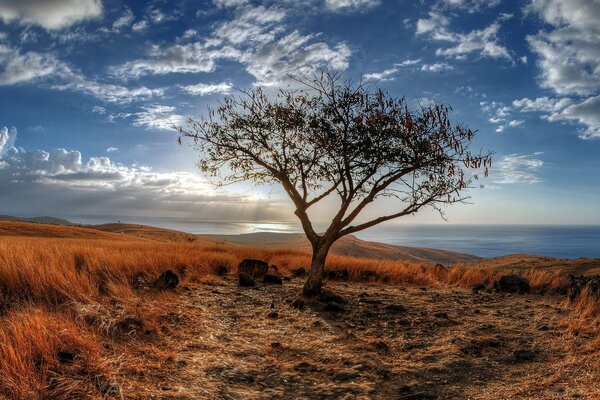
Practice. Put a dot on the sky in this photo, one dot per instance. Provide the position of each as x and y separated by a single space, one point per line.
90 91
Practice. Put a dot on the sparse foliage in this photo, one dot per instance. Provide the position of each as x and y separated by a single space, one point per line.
335 138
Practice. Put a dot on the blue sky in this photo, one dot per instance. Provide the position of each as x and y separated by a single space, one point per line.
90 90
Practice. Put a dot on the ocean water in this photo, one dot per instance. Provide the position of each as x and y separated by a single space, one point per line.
558 241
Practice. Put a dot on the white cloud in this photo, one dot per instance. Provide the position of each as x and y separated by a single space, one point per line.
388 73
202 89
257 38
49 14
139 26
435 23
61 181
542 104
158 117
481 41
515 168
586 113
17 67
472 6
229 3
500 115
351 5
436 67
112 149
99 110
123 21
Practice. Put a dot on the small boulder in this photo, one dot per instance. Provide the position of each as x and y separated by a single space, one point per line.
523 355
327 296
220 270
477 288
272 279
441 315
273 314
337 275
395 308
246 280
66 357
168 280
512 284
298 272
254 268
298 304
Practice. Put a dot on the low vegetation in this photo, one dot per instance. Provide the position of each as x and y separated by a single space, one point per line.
75 307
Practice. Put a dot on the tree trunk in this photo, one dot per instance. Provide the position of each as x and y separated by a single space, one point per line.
314 282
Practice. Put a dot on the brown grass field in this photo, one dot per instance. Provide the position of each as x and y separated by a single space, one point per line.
79 319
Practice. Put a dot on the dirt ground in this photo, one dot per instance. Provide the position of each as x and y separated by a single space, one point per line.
221 341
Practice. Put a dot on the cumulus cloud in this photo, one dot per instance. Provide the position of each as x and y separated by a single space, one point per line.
61 182
203 89
586 113
49 14
518 168
436 67
542 104
500 115
387 74
257 37
124 20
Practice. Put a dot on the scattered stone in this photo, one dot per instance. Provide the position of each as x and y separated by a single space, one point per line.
337 275
273 314
334 307
168 280
345 376
381 346
298 272
442 315
544 328
395 308
512 284
298 304
253 268
423 289
275 345
246 280
305 367
328 296
477 288
523 355
272 279
220 270
66 357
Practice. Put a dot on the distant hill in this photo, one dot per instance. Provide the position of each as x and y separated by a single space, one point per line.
38 220
351 246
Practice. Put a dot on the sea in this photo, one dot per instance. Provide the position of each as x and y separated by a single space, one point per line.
560 241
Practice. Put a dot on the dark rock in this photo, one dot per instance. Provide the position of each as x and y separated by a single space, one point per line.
345 376
334 307
523 355
253 268
479 287
167 280
328 296
298 272
66 357
298 303
275 345
423 289
337 275
381 346
220 270
442 315
273 314
246 280
305 367
368 275
272 279
512 284
395 308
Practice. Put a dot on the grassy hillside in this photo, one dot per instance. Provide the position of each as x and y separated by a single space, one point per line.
80 319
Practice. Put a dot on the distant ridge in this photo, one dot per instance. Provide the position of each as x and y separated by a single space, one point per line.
38 220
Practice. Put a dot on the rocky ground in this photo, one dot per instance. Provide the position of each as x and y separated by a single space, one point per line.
221 341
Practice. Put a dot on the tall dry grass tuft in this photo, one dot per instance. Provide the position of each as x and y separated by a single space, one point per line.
47 356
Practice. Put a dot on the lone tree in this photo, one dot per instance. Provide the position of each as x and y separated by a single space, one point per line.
337 138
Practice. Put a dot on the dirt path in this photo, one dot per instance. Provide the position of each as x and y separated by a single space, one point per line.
250 343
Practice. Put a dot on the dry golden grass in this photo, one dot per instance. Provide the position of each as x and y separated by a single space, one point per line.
86 292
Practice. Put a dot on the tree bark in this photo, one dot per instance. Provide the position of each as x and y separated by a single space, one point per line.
314 282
